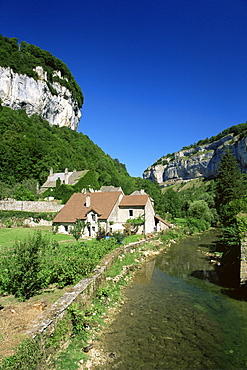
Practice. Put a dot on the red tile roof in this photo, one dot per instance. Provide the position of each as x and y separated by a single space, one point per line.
134 200
75 208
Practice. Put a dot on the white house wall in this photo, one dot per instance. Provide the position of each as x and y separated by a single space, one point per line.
149 218
124 213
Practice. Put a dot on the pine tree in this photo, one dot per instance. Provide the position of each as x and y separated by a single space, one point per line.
229 193
229 183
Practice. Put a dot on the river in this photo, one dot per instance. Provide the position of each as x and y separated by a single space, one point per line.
174 319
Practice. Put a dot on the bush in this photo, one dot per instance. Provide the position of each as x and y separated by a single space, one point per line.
27 357
37 262
200 210
20 267
195 225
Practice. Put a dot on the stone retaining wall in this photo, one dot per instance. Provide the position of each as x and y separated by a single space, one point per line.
83 292
243 263
30 206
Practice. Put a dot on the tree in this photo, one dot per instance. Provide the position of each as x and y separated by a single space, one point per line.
229 184
172 202
229 195
132 224
200 210
78 229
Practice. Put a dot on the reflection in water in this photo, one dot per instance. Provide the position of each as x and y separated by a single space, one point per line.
173 320
145 274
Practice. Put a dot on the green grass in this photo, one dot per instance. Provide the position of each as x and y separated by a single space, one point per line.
180 221
8 236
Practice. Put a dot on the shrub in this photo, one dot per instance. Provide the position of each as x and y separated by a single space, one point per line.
199 209
78 229
27 357
196 225
20 267
37 262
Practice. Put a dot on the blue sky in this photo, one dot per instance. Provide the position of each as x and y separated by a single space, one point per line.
156 75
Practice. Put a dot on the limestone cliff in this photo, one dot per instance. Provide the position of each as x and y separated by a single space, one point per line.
200 161
52 101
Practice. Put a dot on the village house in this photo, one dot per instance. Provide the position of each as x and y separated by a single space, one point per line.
66 177
108 209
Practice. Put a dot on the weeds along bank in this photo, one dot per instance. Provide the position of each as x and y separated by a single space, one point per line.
70 317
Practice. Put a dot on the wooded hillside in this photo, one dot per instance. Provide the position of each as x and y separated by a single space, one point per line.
29 146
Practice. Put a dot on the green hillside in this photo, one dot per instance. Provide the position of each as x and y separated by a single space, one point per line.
29 146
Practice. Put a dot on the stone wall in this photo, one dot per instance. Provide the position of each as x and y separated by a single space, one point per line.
83 292
243 263
30 206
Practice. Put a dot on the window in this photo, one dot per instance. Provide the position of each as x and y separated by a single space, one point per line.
93 217
131 212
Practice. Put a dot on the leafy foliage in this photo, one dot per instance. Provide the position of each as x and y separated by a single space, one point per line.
199 209
22 58
27 357
37 262
230 190
29 147
21 267
229 187
195 201
78 229
132 224
235 130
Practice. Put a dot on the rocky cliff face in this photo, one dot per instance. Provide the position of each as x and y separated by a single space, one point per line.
53 102
202 161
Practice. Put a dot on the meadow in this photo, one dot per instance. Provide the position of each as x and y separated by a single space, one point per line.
8 236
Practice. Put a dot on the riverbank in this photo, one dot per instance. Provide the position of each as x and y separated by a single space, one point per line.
87 325
108 301
170 317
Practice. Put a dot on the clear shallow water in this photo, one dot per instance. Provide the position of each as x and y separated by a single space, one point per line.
173 320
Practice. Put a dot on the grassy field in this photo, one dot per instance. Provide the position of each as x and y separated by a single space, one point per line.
8 236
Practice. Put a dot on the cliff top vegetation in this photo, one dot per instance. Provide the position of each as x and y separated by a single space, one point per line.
22 58
235 130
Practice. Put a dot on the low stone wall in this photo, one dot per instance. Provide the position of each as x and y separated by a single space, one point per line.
30 206
83 292
243 263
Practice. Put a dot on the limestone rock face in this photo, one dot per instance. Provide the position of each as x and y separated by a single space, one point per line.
22 92
202 161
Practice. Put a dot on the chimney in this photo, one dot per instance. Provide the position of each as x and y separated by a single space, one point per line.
51 173
87 200
66 176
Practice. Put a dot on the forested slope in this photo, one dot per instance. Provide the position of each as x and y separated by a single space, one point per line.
29 147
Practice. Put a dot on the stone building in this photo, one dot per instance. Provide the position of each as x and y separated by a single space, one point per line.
66 177
108 209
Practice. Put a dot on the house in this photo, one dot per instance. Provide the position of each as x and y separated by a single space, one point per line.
99 209
107 209
160 224
66 177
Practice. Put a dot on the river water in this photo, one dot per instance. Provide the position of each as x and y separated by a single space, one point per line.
174 319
